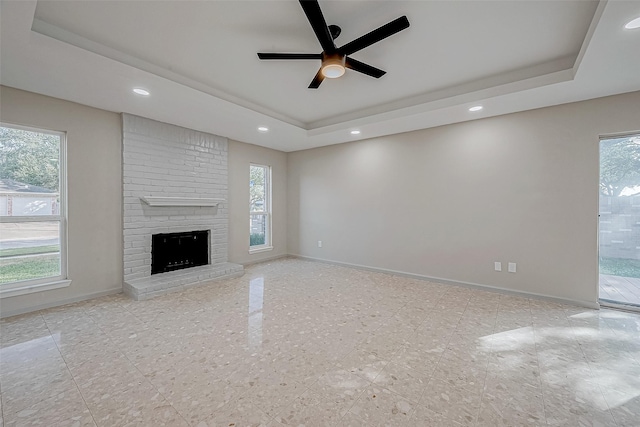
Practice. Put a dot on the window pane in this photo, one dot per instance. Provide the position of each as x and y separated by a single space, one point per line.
257 191
258 230
29 173
29 250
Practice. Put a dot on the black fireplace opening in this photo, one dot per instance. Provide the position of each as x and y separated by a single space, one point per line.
174 251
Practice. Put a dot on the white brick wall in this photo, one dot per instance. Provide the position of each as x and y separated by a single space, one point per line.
165 160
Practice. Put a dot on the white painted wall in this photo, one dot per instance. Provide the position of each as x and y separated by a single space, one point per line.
444 202
447 202
241 155
94 156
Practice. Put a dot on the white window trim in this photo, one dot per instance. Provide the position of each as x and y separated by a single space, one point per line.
11 291
267 246
45 283
261 248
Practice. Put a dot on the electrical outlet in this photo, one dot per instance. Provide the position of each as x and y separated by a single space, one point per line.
497 266
319 243
512 267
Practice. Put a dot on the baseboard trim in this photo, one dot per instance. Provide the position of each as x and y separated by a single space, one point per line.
113 291
267 259
10 313
579 303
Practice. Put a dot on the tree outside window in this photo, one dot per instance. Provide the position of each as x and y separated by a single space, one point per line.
31 207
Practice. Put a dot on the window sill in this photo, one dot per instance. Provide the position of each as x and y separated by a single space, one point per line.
261 249
30 289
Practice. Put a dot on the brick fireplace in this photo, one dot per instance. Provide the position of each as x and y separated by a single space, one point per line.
174 181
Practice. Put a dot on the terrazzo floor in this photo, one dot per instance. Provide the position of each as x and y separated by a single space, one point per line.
295 343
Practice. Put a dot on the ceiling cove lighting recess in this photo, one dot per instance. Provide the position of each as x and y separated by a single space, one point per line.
141 91
632 25
476 108
355 132
263 129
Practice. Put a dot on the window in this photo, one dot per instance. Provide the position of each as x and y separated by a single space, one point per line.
259 208
32 210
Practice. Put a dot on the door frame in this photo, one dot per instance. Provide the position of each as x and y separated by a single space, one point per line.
608 303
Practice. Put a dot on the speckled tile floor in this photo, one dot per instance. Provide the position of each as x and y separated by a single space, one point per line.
302 343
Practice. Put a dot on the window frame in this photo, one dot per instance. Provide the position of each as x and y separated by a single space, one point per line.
29 286
268 244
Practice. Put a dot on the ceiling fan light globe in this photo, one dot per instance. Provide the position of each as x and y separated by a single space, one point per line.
333 65
333 71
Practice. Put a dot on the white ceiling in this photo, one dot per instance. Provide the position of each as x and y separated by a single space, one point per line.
199 61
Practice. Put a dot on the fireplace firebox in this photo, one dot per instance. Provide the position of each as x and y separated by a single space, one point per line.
174 251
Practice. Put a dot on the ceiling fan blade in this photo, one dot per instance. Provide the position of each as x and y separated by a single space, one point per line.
315 83
363 68
316 19
290 55
375 36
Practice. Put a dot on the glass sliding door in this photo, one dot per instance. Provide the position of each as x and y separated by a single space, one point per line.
619 240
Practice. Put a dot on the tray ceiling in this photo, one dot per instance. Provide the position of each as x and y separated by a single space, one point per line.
199 61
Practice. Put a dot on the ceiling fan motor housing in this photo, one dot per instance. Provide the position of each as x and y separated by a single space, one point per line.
335 31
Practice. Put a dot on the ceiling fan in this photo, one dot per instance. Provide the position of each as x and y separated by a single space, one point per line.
335 59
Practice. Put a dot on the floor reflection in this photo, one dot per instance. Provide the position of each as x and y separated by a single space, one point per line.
332 338
31 348
256 299
577 355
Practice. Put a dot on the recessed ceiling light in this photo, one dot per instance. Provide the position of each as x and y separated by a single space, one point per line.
476 108
141 91
355 132
631 25
263 129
